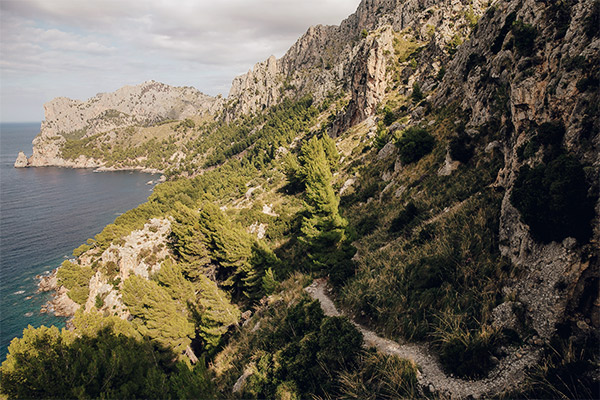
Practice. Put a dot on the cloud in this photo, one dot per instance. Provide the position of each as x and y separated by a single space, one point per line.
78 48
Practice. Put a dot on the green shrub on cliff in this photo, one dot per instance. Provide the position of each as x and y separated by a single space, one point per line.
553 200
414 144
76 279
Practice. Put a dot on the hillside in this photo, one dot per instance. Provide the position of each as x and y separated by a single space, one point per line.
428 170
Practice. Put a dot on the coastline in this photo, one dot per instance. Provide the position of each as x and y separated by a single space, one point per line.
61 304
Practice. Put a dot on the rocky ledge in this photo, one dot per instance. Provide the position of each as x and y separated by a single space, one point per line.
61 304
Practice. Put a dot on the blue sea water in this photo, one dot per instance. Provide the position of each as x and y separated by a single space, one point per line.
44 214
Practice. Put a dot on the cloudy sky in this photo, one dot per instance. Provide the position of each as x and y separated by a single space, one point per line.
77 48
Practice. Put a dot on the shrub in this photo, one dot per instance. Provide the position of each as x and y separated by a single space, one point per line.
461 148
76 279
464 352
553 200
414 144
417 94
407 215
592 23
523 37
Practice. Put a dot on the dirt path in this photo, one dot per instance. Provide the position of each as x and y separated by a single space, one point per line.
507 374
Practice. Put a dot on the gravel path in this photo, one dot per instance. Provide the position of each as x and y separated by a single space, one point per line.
507 374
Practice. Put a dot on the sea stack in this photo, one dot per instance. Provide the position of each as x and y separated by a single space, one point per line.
21 161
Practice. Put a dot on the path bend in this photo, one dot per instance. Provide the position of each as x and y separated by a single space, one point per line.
506 375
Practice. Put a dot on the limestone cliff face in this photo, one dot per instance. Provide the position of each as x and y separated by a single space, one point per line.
352 57
143 104
140 253
514 90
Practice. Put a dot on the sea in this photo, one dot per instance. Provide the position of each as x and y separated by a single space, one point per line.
45 213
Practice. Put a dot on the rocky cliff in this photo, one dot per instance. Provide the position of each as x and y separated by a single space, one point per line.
532 65
140 105
354 57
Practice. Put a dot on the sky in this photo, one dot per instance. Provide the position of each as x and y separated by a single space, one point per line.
78 48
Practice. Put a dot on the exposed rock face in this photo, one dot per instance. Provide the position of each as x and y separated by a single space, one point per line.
61 304
140 253
498 85
21 160
143 104
328 59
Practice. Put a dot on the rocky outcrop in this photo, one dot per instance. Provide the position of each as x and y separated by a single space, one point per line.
61 304
513 88
353 57
21 160
140 253
141 105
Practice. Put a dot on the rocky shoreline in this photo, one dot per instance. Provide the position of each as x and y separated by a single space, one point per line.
60 305
23 162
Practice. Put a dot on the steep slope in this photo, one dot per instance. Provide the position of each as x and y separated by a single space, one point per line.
330 59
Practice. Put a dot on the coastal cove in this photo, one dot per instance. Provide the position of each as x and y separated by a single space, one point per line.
46 213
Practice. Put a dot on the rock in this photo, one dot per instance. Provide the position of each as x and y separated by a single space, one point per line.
48 283
386 151
62 305
21 160
239 384
449 166
347 185
258 229
143 104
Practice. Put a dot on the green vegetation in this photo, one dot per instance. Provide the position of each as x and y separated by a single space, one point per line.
323 228
414 144
553 200
592 21
523 37
76 279
48 363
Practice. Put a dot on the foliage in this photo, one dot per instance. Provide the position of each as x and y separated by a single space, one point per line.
47 363
301 352
323 228
214 312
592 22
553 200
157 315
452 267
379 376
566 368
76 279
461 148
523 37
463 351
406 218
208 236
414 144
417 95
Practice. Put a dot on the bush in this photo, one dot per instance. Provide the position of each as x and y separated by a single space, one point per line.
464 352
523 37
461 148
414 144
593 21
553 200
403 221
417 94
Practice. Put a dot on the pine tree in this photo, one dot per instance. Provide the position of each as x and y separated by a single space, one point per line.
323 228
214 312
156 315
